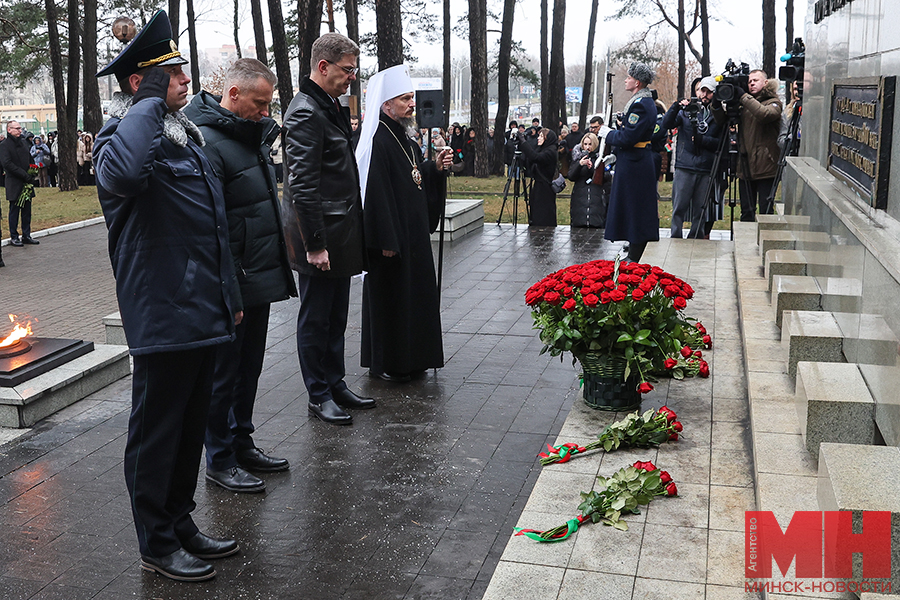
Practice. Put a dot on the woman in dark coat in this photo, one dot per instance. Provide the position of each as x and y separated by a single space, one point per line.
543 166
633 209
468 153
588 207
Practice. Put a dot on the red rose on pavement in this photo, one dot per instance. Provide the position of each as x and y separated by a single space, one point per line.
670 414
679 303
704 369
707 341
686 352
570 304
665 477
673 437
671 489
644 388
670 363
637 295
698 354
677 426
701 328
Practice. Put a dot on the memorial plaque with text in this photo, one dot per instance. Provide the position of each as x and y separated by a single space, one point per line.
862 115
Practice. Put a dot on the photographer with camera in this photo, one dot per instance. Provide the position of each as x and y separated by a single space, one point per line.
698 140
760 125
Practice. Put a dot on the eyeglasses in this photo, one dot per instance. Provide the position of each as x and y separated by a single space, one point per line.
19 128
347 70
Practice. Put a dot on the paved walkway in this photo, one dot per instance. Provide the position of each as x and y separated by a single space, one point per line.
416 500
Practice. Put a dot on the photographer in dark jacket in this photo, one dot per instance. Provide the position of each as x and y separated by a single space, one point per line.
323 223
695 152
239 135
168 244
542 161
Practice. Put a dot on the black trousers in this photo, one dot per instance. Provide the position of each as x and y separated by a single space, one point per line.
753 192
321 323
238 366
14 212
169 405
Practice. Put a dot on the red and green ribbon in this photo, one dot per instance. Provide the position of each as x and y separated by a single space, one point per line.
557 534
565 451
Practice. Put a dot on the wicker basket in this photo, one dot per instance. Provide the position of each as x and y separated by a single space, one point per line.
605 387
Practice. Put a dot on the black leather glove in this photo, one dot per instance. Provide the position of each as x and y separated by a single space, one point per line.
29 178
155 84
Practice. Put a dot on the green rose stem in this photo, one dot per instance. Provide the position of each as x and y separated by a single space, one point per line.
634 431
628 488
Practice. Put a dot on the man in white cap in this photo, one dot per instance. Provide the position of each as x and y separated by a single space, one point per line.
698 140
323 223
403 196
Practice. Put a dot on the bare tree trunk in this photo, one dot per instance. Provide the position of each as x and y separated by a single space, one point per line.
557 77
789 26
93 111
329 10
259 34
500 130
237 40
174 10
192 42
545 22
352 9
309 31
282 62
389 33
588 67
479 98
66 126
682 67
768 20
446 73
704 34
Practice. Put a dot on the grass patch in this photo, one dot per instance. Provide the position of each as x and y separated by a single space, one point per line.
51 207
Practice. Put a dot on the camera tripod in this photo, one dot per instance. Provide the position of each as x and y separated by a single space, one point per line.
791 144
516 176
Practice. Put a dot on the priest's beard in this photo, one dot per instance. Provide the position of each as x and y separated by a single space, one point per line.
408 123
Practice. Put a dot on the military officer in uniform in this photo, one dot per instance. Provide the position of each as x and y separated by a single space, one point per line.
633 212
168 244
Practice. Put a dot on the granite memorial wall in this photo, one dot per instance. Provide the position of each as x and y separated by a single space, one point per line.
847 177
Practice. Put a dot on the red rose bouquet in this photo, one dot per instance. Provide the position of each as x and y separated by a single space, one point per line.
628 311
28 189
624 492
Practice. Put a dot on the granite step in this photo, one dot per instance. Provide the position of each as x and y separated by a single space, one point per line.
833 405
800 262
781 223
792 240
798 292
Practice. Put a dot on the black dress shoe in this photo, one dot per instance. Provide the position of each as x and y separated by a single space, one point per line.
347 399
330 412
2 264
392 377
180 566
16 242
30 240
203 546
253 459
236 479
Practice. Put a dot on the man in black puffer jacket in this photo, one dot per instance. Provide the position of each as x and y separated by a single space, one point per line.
239 135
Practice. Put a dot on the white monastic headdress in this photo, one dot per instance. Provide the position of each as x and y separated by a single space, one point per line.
383 86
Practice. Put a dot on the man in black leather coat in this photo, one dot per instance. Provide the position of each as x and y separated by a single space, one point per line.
323 223
15 156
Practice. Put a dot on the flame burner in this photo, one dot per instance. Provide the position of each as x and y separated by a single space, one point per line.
25 360
15 349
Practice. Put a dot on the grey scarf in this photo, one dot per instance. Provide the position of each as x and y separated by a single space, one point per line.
176 126
641 93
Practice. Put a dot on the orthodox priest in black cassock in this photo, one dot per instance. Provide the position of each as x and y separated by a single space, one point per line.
403 195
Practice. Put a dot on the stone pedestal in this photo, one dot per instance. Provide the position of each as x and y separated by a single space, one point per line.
115 333
833 405
793 240
781 223
799 262
857 478
461 218
791 292
811 336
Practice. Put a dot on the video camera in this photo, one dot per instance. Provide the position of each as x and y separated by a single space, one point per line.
795 62
733 82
